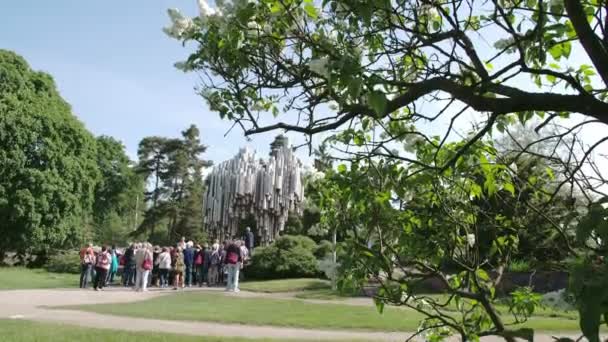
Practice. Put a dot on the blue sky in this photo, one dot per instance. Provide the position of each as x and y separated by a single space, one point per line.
114 65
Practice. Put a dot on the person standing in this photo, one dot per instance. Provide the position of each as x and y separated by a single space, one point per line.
164 266
215 260
199 258
144 260
223 270
104 261
113 266
182 243
87 260
233 263
189 262
249 239
206 264
128 273
179 269
155 270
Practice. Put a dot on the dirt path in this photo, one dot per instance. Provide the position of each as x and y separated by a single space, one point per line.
30 305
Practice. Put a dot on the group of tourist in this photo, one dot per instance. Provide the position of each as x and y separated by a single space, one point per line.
186 264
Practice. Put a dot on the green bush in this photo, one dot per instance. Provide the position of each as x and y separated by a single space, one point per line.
288 257
324 249
519 266
64 262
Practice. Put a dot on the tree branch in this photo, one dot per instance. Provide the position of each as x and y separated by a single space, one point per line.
591 42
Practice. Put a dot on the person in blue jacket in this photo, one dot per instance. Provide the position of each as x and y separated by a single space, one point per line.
189 253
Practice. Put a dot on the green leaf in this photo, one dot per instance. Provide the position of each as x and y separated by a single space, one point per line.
354 88
483 275
358 139
509 187
556 52
436 25
380 306
551 79
377 100
550 173
311 10
342 168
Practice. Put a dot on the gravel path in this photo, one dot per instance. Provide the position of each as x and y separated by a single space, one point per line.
32 305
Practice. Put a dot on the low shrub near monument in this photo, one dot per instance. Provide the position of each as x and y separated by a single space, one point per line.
287 257
64 262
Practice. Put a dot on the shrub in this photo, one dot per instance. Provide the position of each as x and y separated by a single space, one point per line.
519 266
288 257
324 249
64 262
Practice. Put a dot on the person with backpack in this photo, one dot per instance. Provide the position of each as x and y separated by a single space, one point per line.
104 261
87 261
234 259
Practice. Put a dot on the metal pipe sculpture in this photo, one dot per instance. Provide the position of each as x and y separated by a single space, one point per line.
268 190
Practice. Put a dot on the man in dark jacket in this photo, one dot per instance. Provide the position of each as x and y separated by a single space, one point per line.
128 272
249 239
189 253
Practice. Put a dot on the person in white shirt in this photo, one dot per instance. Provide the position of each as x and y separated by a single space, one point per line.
164 266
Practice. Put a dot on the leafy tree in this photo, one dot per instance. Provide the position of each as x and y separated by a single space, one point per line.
152 166
118 193
175 168
48 170
401 230
368 74
589 276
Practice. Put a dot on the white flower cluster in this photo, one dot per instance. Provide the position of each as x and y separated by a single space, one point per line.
180 24
206 11
471 240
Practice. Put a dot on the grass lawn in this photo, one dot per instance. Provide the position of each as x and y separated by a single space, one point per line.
19 278
193 306
25 331
285 285
323 294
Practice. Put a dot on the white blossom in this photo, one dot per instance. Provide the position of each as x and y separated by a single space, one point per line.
179 24
320 66
471 240
205 10
257 106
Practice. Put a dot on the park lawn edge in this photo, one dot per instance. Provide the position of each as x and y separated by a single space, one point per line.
540 324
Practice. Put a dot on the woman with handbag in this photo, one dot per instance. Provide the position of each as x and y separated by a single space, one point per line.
144 266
